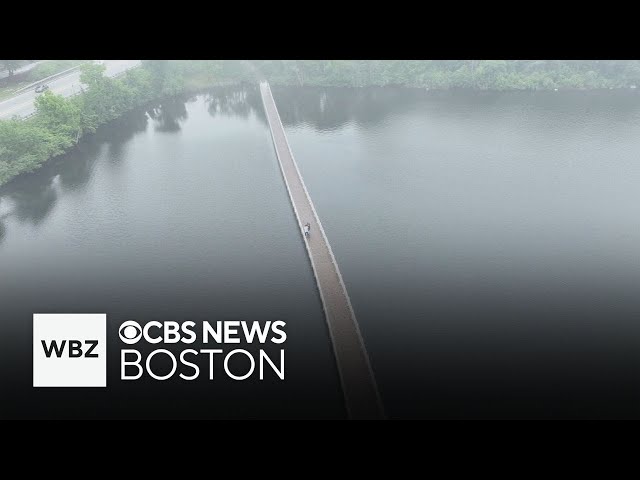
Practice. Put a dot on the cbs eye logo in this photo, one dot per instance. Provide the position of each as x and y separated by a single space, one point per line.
130 332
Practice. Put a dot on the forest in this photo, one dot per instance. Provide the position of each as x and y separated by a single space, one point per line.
444 74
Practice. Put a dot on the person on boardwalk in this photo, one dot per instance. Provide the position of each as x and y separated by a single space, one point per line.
307 229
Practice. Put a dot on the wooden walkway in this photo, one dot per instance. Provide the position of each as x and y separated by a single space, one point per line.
358 383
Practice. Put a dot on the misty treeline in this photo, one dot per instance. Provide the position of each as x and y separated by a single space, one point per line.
11 66
435 74
440 74
60 122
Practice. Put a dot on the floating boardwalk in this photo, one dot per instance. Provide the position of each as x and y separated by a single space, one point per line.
358 383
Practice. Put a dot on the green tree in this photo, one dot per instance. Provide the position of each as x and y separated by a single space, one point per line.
61 117
23 147
11 65
92 74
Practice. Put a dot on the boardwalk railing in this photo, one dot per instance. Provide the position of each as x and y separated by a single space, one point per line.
361 395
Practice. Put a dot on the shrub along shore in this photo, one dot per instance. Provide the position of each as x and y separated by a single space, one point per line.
60 122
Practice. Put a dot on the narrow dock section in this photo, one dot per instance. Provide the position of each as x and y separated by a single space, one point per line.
358 383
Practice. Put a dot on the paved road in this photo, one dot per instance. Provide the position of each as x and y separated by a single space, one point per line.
22 105
358 384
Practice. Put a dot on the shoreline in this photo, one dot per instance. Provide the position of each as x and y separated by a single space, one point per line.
201 89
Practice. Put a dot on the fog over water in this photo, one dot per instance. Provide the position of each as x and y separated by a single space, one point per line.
489 241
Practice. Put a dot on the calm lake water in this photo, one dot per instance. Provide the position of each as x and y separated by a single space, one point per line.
490 243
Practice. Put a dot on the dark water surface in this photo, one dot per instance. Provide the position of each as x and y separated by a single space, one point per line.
179 217
490 244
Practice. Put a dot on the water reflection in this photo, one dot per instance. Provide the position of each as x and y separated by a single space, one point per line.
169 114
193 224
322 108
77 171
242 101
498 264
127 127
33 202
330 109
31 197
327 109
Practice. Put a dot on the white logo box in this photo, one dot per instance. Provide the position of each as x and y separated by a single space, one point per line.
61 369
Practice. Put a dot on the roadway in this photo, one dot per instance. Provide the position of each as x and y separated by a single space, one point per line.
22 105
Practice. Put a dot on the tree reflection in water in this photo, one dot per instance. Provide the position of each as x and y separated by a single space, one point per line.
320 107
116 136
30 198
32 202
234 101
169 114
